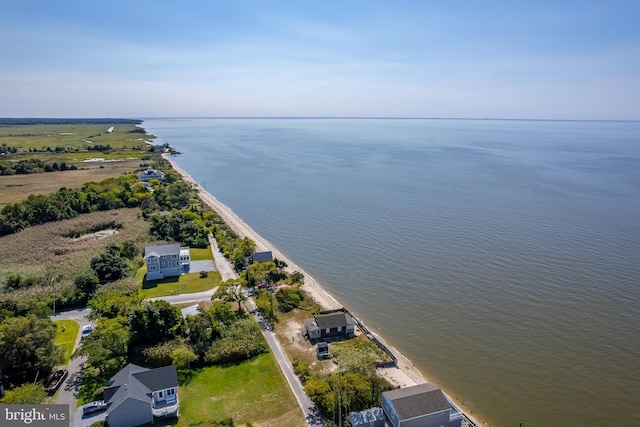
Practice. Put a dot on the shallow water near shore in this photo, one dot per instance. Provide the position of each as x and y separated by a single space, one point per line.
501 257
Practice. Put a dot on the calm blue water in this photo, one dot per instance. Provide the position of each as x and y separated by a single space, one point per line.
501 257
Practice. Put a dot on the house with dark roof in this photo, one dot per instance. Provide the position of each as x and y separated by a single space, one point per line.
423 405
262 256
136 395
166 261
330 326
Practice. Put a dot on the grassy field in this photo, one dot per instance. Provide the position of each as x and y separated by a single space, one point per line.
184 284
71 136
66 336
253 392
200 254
18 187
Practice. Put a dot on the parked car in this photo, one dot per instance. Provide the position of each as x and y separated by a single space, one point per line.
93 407
55 380
86 330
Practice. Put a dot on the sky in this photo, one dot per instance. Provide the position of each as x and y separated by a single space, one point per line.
477 59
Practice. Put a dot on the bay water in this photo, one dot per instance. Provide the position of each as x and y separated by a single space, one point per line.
501 257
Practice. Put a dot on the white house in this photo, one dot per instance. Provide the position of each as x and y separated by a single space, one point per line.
166 261
136 395
423 405
149 174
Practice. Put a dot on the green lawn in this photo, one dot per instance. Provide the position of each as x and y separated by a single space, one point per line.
254 392
200 254
66 336
184 284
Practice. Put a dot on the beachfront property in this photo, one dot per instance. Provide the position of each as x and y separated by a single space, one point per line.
166 261
262 256
330 326
136 395
373 417
422 405
149 174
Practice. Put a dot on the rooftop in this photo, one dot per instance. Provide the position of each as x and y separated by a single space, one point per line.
422 399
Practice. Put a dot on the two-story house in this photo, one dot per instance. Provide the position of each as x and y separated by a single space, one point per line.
166 261
149 174
136 395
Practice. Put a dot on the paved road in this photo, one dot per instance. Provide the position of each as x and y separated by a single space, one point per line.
69 390
187 298
222 264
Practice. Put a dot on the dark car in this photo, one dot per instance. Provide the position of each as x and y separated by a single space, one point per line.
92 407
55 380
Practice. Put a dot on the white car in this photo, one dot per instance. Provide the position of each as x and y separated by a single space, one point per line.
86 330
92 407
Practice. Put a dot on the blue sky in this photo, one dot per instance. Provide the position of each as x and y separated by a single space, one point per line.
543 59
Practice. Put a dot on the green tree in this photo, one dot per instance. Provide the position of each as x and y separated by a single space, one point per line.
182 357
128 249
262 272
202 332
232 290
86 285
155 321
243 251
107 346
111 304
109 265
26 393
27 348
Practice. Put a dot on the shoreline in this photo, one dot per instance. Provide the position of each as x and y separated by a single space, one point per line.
404 375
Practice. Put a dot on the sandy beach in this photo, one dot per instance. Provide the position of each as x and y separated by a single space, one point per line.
404 375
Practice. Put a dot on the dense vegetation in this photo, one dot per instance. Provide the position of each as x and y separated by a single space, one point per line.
28 166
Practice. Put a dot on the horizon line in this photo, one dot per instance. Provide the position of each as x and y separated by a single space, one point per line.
385 118
325 118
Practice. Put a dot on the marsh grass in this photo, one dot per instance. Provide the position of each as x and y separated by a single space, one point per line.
48 251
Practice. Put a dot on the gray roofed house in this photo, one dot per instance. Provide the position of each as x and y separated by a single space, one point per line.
333 325
422 405
166 261
262 256
136 395
149 174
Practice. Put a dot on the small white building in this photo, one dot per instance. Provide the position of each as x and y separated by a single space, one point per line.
149 174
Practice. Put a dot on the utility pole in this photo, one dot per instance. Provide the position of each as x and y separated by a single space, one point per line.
53 283
339 399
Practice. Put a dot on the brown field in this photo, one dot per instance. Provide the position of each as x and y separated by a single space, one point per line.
50 250
14 188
